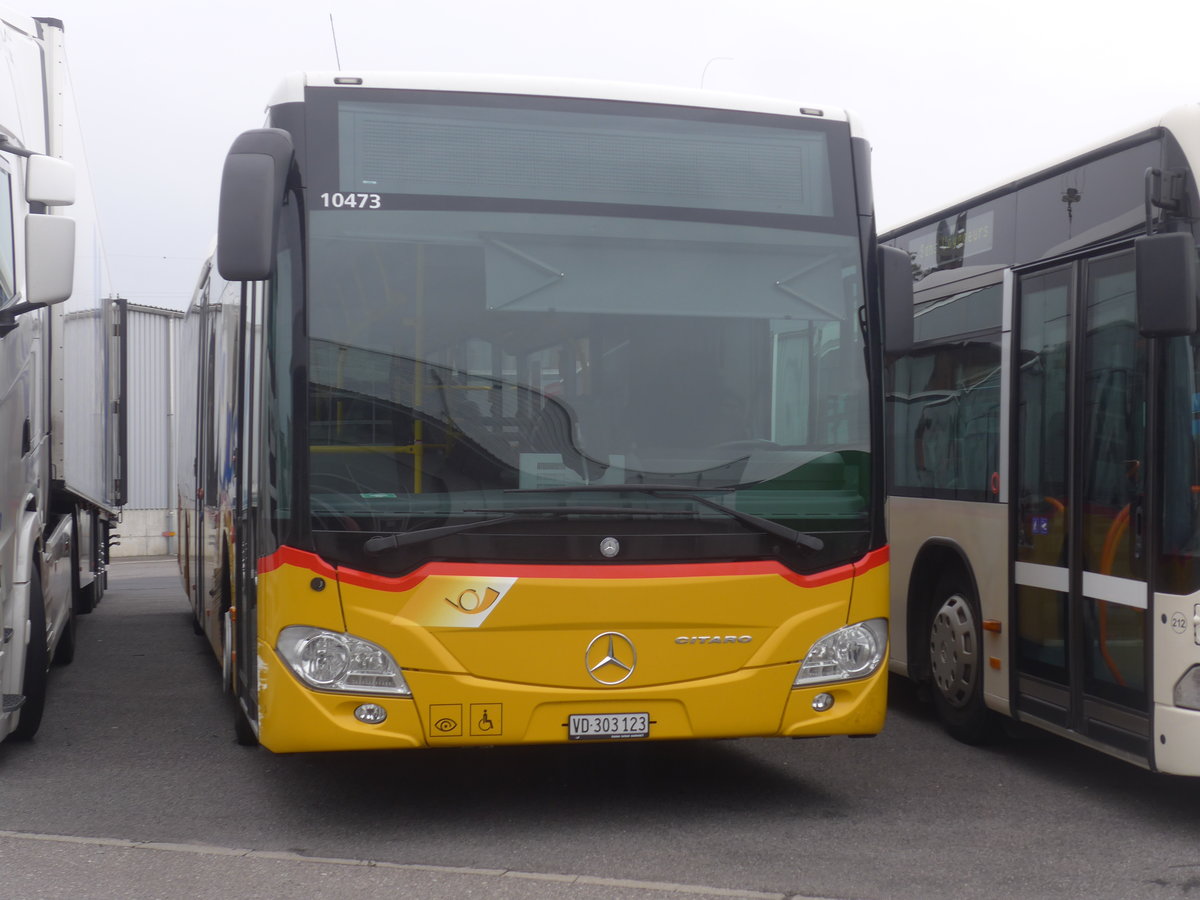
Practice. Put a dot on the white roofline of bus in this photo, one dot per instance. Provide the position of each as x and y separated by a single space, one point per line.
291 89
1184 123
1181 121
208 265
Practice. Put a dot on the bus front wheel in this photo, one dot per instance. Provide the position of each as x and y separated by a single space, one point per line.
956 662
243 731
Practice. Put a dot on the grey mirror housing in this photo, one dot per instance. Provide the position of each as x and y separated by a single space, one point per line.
252 189
1166 284
896 285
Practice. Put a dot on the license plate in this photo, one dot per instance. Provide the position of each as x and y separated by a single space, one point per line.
608 726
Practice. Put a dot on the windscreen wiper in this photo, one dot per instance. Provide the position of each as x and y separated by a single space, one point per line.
682 492
384 542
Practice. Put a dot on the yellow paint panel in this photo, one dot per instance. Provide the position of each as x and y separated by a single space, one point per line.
286 596
537 630
293 719
871 595
505 660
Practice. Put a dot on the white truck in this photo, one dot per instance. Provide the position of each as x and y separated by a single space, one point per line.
61 375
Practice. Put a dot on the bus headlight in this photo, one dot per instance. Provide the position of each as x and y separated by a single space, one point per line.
854 651
332 661
1187 689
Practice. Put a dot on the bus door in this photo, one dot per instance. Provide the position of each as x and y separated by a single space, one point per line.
1079 446
244 631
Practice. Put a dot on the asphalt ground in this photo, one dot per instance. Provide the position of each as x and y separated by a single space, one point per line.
134 788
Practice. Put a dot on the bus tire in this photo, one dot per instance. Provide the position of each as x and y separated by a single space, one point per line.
956 661
37 665
243 731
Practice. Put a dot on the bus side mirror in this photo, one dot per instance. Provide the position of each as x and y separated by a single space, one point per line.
896 287
252 188
1166 284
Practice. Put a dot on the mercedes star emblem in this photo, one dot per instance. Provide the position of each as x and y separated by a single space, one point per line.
610 658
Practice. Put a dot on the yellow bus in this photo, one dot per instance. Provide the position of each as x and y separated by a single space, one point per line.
533 411
1045 452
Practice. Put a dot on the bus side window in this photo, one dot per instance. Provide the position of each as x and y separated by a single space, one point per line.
1180 557
944 400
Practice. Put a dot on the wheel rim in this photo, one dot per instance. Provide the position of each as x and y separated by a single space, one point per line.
227 650
953 640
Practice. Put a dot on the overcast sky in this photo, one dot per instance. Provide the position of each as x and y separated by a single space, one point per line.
955 96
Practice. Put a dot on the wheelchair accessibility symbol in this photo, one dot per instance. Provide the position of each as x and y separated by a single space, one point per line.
486 719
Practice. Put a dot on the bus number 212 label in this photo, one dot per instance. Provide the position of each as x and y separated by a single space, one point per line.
351 201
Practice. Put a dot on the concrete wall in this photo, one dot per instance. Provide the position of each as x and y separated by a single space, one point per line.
144 533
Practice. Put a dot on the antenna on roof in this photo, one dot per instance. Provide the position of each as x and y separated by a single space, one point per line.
704 71
336 55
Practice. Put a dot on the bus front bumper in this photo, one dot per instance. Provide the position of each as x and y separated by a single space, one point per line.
455 710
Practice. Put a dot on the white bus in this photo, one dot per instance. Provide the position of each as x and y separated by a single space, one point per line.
1044 475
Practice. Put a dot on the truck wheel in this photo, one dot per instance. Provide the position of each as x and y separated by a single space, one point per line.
37 665
956 662
64 653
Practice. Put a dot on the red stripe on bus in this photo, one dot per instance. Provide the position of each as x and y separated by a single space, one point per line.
873 560
301 559
305 560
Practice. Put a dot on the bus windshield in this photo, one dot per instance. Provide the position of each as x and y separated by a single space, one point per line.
504 299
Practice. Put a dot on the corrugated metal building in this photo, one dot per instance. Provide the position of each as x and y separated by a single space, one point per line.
148 521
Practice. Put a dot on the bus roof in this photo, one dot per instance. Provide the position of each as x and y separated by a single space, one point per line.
1182 121
291 89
